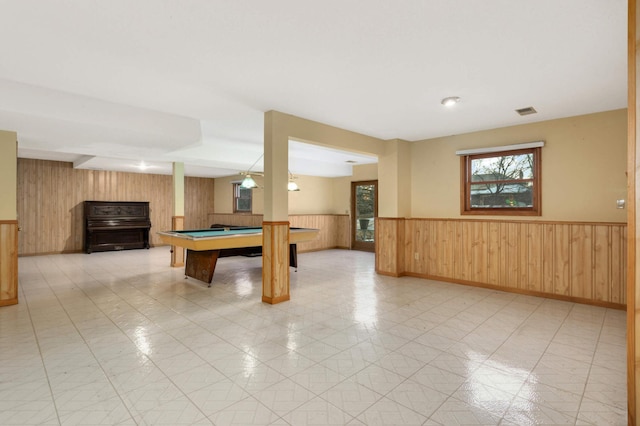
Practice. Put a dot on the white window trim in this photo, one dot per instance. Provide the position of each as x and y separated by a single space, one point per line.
515 147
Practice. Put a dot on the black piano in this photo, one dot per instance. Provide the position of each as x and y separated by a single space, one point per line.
116 225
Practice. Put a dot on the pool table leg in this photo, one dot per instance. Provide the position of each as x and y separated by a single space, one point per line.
293 256
201 264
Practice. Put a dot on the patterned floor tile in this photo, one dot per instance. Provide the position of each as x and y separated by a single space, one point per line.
351 397
247 412
318 378
126 340
284 396
438 379
593 412
387 412
454 412
421 399
317 412
197 378
527 412
378 379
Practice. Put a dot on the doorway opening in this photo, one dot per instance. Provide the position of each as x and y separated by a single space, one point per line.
364 210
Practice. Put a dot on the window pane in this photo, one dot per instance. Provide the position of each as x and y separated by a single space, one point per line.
507 167
506 195
243 205
241 199
502 183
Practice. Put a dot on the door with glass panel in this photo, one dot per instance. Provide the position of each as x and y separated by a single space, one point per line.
364 210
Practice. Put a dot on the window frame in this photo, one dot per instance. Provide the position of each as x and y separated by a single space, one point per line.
236 196
465 185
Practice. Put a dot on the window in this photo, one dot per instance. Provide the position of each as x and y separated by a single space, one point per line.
241 199
501 183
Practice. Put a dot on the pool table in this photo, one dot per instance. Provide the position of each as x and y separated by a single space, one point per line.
205 246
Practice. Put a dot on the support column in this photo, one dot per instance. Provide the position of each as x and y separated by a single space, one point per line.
394 201
177 219
8 218
275 262
275 227
633 215
390 255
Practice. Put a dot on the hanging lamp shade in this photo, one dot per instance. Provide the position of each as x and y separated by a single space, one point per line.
292 186
248 182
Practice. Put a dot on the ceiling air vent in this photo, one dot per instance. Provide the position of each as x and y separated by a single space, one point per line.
526 111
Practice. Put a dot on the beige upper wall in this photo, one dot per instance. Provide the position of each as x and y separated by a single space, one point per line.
8 175
342 186
316 196
583 167
394 189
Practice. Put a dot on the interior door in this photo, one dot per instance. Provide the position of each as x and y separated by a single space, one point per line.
364 210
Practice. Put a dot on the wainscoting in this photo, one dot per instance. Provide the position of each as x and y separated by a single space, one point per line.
584 262
8 262
334 228
50 196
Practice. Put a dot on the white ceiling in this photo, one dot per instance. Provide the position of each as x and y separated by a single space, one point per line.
111 83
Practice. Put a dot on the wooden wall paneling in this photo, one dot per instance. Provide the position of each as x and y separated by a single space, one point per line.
523 255
493 253
418 243
617 287
432 255
436 248
382 246
581 261
8 262
50 196
400 243
562 260
427 247
31 220
556 258
325 223
447 241
24 188
534 256
75 187
409 243
198 202
275 262
506 257
236 219
479 260
602 251
548 255
503 272
623 267
458 250
417 246
42 220
344 231
517 254
335 226
387 249
466 252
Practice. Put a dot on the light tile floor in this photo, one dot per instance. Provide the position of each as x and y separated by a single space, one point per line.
120 338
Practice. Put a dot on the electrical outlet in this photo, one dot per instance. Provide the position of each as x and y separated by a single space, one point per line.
416 256
620 204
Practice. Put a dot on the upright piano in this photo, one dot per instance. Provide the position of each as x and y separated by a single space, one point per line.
116 225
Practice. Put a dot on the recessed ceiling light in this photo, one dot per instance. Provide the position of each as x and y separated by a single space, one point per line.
450 101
